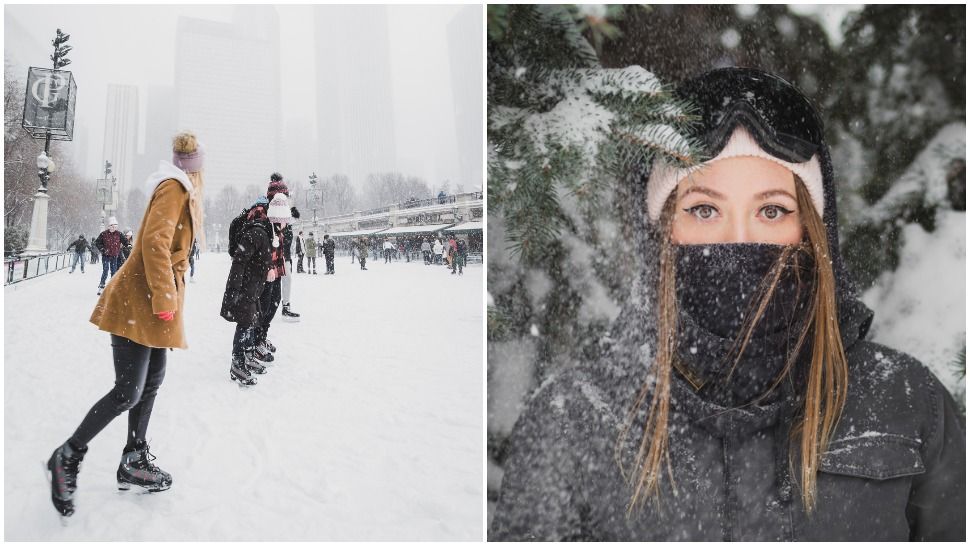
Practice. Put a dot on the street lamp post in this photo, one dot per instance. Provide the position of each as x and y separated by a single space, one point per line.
313 197
48 114
105 191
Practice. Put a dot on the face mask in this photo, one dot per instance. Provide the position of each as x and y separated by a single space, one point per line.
718 285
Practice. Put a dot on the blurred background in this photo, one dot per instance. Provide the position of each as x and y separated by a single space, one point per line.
382 103
890 82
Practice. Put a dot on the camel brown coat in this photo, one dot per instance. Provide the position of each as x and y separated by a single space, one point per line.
152 279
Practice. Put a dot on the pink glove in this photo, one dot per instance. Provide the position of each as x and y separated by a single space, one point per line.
166 315
271 276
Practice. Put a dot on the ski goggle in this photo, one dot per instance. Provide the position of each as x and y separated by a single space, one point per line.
778 115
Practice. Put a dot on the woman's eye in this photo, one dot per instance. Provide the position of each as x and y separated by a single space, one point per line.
774 212
702 212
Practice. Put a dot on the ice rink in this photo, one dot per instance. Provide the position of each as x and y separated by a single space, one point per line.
367 427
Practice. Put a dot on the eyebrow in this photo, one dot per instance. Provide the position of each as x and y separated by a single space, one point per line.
705 190
772 193
718 195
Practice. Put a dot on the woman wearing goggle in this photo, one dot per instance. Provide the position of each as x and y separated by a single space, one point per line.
740 401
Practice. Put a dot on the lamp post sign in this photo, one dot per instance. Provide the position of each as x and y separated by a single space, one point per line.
48 114
49 104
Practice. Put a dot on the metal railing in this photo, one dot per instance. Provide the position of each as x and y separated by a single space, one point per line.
21 268
405 205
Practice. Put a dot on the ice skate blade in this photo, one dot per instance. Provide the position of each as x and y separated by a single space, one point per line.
243 383
290 319
142 489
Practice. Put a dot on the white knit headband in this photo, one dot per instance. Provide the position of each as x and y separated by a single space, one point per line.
664 177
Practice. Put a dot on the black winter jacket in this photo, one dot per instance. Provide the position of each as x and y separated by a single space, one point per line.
328 247
893 470
247 275
79 246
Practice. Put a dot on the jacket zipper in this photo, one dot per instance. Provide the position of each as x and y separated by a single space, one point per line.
729 496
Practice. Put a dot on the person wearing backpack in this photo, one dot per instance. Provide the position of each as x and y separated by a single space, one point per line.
251 243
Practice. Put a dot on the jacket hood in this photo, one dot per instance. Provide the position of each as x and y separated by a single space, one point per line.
165 171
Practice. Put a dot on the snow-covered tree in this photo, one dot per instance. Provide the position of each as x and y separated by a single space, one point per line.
564 135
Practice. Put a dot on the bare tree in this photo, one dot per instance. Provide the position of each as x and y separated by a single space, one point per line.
383 189
338 195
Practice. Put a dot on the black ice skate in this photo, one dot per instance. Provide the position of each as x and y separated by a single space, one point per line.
269 345
263 354
136 468
239 371
63 466
288 315
254 365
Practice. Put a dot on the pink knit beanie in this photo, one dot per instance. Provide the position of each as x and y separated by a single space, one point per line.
664 177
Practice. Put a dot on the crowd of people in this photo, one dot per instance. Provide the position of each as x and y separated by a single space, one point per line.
451 252
113 249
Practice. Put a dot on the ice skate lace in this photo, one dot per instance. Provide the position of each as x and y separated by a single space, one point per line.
71 467
147 458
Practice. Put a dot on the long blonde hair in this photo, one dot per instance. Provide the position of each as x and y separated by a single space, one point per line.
827 373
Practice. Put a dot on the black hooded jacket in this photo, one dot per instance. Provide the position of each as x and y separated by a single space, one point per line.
893 470
247 275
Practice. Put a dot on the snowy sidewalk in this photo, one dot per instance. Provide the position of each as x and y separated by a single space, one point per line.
368 427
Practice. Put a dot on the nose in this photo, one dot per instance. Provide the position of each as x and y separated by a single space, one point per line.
740 231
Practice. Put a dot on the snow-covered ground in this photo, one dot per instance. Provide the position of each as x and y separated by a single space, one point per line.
369 426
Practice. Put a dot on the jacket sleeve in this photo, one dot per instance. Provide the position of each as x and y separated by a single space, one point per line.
160 224
540 497
937 503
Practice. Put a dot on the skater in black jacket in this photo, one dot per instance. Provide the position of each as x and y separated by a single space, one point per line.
79 246
328 250
247 278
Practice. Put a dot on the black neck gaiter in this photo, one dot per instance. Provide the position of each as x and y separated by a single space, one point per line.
718 286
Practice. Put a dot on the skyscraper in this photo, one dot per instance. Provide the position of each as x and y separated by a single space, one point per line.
121 135
227 89
355 114
465 52
161 124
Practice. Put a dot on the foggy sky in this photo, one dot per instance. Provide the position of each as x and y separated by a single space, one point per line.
135 45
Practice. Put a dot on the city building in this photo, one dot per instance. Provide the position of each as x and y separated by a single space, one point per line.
466 87
227 90
120 145
355 126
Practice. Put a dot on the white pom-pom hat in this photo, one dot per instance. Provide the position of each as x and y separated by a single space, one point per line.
665 177
279 209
